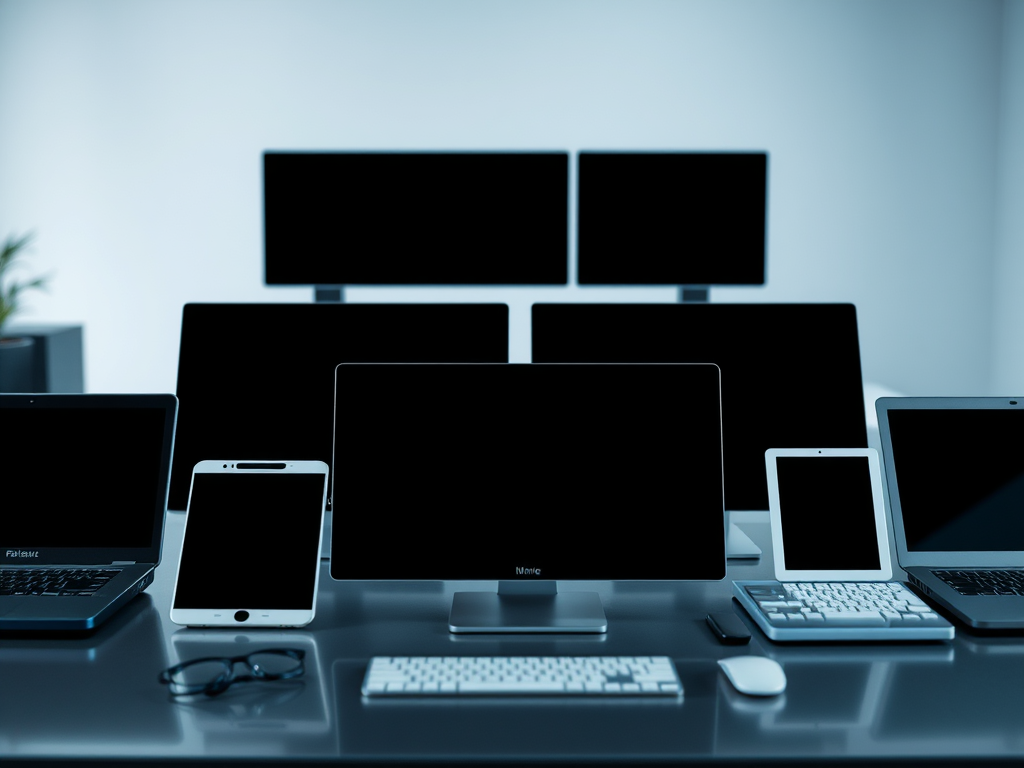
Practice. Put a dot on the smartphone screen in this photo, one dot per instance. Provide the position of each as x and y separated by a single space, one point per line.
252 541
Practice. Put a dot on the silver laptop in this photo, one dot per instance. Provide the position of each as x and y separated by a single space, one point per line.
86 480
955 473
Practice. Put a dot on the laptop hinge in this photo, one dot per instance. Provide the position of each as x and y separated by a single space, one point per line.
122 562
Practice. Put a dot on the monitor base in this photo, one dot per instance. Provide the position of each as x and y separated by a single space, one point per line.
563 612
739 546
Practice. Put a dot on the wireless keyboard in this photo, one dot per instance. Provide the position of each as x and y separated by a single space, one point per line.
810 611
521 676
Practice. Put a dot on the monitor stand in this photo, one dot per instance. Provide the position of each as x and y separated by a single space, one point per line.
329 294
527 606
739 546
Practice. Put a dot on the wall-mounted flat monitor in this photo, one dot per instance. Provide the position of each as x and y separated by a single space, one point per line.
526 474
256 381
791 374
416 218
672 218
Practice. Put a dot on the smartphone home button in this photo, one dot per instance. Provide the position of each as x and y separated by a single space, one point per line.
241 615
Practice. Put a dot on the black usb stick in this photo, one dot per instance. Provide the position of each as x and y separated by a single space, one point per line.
728 628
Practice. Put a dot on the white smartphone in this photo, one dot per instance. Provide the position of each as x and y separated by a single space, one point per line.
250 555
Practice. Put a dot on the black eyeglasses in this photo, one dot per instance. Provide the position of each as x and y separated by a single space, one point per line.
213 675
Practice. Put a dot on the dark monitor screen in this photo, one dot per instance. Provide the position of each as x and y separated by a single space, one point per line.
416 218
791 375
527 472
256 381
672 218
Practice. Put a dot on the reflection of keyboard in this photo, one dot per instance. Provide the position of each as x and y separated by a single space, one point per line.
840 611
522 676
61 582
984 582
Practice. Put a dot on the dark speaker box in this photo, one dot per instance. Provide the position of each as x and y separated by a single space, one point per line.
57 364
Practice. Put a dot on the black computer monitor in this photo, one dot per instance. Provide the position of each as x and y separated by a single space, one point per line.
791 375
256 381
672 218
528 475
416 218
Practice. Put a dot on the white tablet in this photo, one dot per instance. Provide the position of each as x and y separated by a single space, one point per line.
827 514
250 555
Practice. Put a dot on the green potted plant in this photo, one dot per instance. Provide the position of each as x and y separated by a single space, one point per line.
15 353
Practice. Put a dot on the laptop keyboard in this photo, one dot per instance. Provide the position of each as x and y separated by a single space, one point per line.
57 582
984 582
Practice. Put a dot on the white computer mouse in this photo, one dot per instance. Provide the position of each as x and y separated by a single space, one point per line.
754 675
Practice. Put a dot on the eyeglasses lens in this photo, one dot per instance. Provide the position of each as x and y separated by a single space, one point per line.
194 677
273 664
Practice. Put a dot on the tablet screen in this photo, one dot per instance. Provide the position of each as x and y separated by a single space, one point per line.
251 540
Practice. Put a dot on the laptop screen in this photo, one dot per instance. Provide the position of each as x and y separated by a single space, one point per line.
959 475
91 476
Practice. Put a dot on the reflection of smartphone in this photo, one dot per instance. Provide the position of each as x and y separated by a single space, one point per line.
251 551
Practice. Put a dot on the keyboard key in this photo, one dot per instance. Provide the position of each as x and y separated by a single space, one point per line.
855 618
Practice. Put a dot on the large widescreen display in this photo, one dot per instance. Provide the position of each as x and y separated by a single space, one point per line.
416 218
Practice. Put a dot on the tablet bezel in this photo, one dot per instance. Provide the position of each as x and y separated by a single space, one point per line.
782 573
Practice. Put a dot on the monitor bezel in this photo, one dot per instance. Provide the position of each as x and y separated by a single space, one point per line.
762 278
813 319
562 279
515 584
208 329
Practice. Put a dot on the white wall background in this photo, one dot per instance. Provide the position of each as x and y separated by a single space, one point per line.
131 136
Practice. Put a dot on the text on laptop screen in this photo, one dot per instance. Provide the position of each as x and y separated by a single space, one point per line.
86 477
820 493
961 478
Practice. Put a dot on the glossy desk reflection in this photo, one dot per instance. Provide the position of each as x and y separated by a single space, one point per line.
98 698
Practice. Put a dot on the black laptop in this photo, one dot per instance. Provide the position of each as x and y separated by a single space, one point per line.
85 493
955 471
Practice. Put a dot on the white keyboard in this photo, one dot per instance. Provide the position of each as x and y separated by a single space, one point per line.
521 676
840 611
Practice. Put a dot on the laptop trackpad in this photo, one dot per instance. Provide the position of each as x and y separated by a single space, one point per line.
8 604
